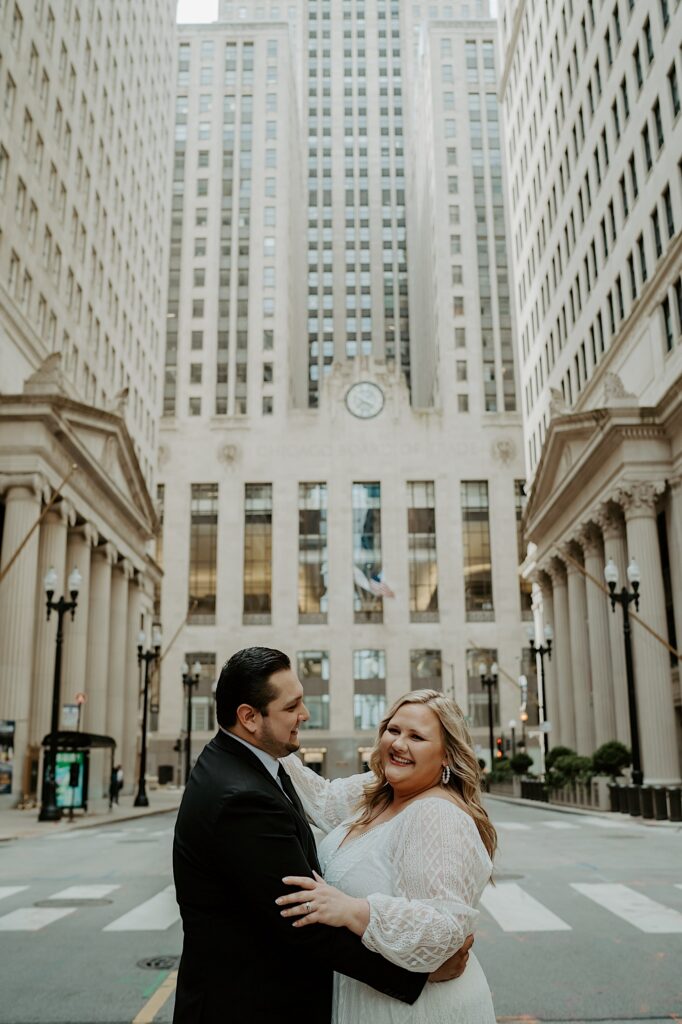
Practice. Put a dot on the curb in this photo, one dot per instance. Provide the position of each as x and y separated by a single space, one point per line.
78 826
607 815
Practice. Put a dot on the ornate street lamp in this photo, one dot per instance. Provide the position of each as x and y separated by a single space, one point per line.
48 808
542 650
625 598
488 682
190 680
148 657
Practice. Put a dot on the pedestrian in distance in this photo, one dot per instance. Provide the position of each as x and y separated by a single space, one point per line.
115 784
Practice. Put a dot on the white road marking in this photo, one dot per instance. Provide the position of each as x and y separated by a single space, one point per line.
84 892
606 822
154 915
516 911
10 890
32 919
633 907
512 826
559 824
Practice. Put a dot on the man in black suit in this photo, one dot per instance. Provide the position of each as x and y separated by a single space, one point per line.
241 829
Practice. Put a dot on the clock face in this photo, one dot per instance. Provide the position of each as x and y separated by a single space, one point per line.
365 400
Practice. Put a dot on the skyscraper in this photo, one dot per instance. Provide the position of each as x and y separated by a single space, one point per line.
341 447
591 101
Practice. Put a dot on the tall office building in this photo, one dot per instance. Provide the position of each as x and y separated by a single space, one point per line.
85 133
591 100
341 459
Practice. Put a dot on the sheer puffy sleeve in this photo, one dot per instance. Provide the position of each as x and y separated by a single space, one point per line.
327 803
439 870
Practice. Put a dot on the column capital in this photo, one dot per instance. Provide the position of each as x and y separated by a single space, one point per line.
638 499
556 570
675 483
107 552
88 532
609 518
589 539
570 551
127 568
25 481
544 577
65 510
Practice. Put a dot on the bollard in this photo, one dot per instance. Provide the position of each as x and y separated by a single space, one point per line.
633 801
613 796
623 800
675 803
660 804
647 799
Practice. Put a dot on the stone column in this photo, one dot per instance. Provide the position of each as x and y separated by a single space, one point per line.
118 629
580 660
18 613
97 657
555 738
600 642
562 652
612 525
133 684
79 543
51 554
653 684
674 529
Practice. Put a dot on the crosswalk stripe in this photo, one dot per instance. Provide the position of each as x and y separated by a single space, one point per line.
633 907
32 919
512 826
10 890
84 892
154 915
559 824
517 911
606 822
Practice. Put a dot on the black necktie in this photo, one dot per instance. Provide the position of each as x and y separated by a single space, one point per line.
288 788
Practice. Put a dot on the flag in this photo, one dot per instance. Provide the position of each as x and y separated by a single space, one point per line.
379 586
361 580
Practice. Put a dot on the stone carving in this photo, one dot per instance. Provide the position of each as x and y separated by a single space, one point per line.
119 402
557 404
503 450
609 519
639 498
589 539
556 570
48 379
614 389
227 453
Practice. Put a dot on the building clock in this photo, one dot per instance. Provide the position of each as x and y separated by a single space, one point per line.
365 400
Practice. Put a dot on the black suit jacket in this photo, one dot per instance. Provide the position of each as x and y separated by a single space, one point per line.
237 835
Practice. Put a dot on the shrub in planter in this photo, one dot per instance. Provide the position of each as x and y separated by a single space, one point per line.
502 771
520 763
610 759
570 769
555 753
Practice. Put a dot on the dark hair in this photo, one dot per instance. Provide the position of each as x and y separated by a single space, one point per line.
246 679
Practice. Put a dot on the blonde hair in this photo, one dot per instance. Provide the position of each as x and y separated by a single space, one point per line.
465 772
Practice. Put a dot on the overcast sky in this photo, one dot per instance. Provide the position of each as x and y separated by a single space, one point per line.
207 10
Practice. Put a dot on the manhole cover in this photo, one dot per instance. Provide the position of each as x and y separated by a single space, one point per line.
73 903
505 877
159 963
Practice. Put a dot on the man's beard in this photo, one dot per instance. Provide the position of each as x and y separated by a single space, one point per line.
275 747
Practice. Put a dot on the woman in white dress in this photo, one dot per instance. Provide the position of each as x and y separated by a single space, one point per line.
407 853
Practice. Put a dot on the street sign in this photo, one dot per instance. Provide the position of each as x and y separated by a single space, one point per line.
70 714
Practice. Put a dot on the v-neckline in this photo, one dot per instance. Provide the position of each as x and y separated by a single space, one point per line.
349 842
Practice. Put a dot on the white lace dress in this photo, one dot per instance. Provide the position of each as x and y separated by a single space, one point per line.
423 873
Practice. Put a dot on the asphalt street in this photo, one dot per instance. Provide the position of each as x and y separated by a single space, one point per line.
584 924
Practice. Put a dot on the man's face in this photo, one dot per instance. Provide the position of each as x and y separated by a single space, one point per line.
277 732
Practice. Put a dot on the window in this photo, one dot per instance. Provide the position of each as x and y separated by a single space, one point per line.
669 216
257 554
195 373
203 702
366 513
422 559
525 586
203 542
312 553
478 583
426 669
313 671
369 694
674 90
477 659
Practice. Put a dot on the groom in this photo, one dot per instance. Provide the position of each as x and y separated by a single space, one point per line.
240 829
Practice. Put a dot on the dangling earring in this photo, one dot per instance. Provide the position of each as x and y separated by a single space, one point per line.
445 777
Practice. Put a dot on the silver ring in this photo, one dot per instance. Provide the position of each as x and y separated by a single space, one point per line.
308 907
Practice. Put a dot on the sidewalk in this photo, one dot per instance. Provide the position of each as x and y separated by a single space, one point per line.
621 819
24 824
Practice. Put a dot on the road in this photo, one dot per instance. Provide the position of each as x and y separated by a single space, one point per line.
584 924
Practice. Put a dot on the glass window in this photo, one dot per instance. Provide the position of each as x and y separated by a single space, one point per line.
312 552
369 696
478 581
203 542
426 671
366 506
257 553
203 702
313 671
477 693
421 540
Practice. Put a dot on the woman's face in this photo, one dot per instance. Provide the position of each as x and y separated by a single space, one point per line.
412 749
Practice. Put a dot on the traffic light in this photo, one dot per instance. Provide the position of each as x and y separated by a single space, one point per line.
500 751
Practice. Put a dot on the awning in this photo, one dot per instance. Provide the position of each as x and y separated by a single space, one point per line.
80 741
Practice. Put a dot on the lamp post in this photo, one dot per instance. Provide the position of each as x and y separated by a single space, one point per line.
512 728
148 657
190 679
523 710
625 598
48 808
488 681
542 650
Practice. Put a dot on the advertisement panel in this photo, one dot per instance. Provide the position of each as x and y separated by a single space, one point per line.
6 754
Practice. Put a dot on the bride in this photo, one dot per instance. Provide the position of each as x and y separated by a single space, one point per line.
407 853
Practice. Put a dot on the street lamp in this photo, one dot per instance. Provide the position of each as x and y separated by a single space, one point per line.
512 728
148 657
624 599
488 681
542 650
190 680
48 808
523 709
